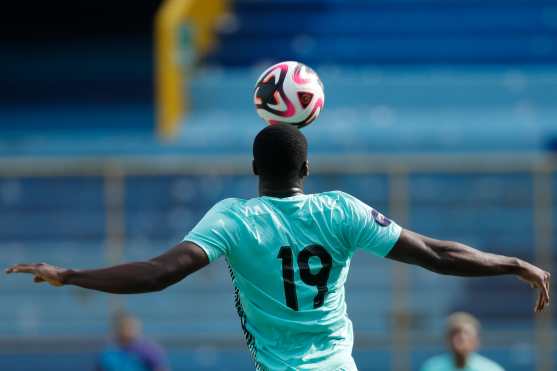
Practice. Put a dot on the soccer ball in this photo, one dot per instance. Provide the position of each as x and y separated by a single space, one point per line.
290 93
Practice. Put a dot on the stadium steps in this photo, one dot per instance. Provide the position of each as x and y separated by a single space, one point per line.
368 110
391 110
396 32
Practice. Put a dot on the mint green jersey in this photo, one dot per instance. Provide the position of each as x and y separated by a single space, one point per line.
475 362
289 258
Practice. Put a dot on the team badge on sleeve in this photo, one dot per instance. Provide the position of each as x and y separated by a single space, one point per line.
380 219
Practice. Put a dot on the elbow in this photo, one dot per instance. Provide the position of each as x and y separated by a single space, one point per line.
159 283
153 278
441 260
165 277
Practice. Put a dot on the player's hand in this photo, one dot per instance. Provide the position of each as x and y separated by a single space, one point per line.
41 272
539 279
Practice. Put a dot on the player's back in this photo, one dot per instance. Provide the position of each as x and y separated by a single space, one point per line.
289 259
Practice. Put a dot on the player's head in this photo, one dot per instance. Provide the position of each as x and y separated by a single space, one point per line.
463 332
280 153
126 328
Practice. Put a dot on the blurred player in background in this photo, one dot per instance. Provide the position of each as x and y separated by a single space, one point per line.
463 340
289 255
130 350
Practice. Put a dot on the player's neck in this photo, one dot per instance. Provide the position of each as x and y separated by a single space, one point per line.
280 190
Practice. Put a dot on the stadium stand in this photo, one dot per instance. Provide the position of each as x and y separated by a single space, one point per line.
401 77
390 32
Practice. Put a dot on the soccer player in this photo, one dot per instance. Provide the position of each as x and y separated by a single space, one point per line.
289 255
463 339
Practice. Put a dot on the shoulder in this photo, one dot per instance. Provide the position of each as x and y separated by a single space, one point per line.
437 363
227 208
233 210
485 364
350 206
334 201
338 197
343 198
223 212
228 204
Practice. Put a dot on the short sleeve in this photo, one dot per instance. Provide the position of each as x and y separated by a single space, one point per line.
368 229
215 231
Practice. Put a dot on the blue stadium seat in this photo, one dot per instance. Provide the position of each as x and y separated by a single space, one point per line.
379 32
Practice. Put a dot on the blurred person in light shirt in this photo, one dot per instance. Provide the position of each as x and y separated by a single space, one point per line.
130 351
463 340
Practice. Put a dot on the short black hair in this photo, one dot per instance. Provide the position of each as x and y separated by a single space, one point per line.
279 151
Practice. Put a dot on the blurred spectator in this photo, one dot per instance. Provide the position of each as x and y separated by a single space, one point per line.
463 337
130 351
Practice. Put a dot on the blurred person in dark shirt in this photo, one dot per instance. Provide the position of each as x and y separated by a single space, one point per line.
130 351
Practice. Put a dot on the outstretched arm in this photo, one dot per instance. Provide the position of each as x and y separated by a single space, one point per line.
130 278
453 258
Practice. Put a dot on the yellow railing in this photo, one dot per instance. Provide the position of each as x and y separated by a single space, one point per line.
174 61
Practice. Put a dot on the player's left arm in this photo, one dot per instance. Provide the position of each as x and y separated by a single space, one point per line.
453 258
137 277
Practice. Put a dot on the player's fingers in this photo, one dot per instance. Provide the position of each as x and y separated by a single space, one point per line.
548 287
539 302
545 290
22 268
541 298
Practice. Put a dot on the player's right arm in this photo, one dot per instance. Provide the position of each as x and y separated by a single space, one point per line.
457 259
208 240
129 278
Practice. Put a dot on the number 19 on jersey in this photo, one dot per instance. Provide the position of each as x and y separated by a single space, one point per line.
318 279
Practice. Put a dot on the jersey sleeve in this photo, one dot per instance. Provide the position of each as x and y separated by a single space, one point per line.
215 232
368 229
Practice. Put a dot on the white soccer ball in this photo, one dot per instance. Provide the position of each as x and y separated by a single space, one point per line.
289 92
